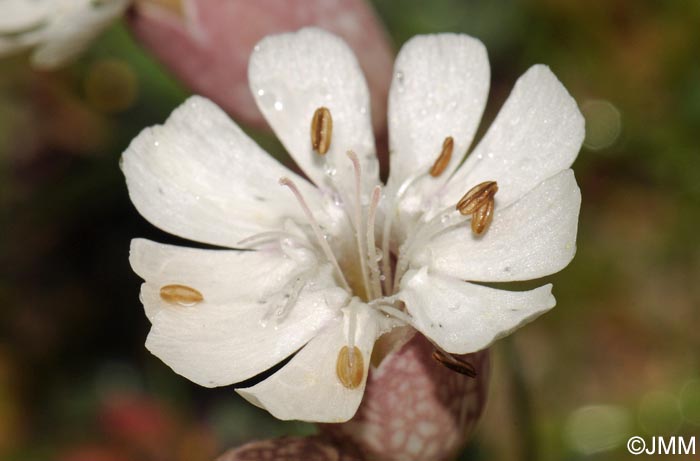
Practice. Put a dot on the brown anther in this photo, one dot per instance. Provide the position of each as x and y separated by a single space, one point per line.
454 363
444 158
476 197
482 217
321 130
350 367
180 294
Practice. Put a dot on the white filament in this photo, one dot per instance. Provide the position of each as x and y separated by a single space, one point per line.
372 256
316 228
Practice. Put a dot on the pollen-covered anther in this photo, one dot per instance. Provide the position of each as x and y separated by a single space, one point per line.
350 367
482 217
479 203
454 363
476 197
321 130
180 294
444 157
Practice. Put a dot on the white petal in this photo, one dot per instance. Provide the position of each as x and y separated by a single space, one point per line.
308 388
537 133
20 15
534 237
439 89
233 333
200 177
71 29
291 75
462 317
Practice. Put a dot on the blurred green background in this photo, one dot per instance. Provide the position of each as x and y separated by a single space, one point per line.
617 357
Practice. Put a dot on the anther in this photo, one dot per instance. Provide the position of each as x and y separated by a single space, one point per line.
479 203
482 217
350 367
454 363
443 159
321 130
180 294
476 197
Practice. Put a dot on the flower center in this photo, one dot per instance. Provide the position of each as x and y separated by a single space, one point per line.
362 267
365 268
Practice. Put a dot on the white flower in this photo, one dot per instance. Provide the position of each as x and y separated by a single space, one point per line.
57 29
340 263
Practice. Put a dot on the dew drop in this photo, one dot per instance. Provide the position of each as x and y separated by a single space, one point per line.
330 170
399 81
268 100
279 105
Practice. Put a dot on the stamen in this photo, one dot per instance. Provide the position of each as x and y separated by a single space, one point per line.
371 245
476 197
321 130
479 203
444 158
180 294
316 228
396 313
350 367
359 236
482 218
454 363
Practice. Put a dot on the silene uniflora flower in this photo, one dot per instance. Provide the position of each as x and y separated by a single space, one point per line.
338 270
57 30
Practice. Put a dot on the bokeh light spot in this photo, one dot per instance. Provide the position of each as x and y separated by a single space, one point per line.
690 401
111 86
603 123
659 413
596 428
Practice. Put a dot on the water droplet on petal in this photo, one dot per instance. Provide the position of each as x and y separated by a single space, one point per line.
330 170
